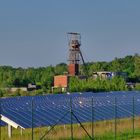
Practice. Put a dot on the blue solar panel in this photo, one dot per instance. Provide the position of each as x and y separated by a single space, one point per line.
2 123
48 109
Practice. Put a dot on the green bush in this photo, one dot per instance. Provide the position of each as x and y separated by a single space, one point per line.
1 93
137 86
96 85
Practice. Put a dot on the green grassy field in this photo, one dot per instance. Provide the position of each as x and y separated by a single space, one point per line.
103 130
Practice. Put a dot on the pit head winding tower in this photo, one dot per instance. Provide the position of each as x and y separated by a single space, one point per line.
74 42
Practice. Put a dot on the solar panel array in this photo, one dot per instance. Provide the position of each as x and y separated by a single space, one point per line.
48 109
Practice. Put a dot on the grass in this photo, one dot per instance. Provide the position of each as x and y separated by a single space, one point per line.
103 130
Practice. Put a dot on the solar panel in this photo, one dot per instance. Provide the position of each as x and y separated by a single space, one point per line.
48 109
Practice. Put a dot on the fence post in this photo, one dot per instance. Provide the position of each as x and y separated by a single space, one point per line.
0 118
92 109
133 117
71 118
115 113
32 119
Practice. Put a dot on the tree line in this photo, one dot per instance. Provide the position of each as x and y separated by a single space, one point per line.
43 76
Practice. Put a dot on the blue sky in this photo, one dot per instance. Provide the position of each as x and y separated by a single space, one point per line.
33 32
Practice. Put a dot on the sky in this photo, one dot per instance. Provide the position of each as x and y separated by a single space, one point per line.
33 33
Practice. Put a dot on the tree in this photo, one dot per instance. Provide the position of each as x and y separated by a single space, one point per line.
137 66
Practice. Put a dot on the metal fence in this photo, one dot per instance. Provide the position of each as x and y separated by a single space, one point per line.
113 118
